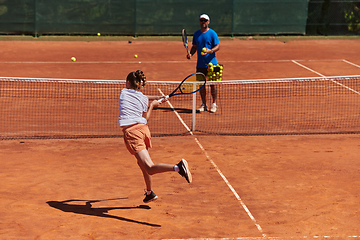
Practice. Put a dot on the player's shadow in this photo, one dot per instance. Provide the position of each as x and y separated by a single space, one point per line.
179 110
87 209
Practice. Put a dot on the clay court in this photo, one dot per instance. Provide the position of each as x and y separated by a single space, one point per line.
244 187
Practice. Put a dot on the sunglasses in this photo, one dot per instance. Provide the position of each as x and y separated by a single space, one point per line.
203 20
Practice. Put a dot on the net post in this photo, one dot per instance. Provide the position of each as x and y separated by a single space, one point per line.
194 108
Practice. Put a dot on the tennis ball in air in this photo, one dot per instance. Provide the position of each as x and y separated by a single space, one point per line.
98 34
135 56
73 59
204 49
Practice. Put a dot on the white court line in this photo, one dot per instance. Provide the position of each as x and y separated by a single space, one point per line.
340 84
177 114
231 188
351 63
308 68
218 170
262 238
151 62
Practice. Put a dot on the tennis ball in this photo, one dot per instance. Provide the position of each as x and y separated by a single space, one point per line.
210 64
135 56
202 53
73 59
204 49
98 34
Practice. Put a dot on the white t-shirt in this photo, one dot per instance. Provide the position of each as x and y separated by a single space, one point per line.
132 105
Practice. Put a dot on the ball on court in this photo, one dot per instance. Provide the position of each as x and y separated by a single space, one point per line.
98 34
135 56
73 59
204 49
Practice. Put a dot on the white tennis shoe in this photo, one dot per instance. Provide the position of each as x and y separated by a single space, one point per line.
202 108
213 108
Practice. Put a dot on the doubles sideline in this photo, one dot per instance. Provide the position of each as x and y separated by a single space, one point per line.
217 169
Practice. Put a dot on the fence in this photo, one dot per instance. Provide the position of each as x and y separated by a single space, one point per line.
333 17
151 17
166 17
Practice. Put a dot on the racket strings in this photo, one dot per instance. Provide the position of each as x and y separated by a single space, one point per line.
193 83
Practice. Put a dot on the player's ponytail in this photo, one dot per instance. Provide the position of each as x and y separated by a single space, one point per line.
137 79
141 76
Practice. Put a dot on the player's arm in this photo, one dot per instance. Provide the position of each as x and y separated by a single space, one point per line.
212 50
216 48
154 97
192 51
153 104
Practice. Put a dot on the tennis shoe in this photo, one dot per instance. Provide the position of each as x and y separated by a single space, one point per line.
202 108
213 108
151 197
184 170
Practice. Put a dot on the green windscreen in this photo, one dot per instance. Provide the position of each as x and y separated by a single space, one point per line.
151 17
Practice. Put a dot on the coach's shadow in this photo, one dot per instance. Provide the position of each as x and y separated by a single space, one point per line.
87 209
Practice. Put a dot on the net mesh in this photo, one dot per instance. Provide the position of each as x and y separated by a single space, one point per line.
56 108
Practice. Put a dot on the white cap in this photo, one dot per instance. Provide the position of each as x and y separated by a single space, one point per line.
204 16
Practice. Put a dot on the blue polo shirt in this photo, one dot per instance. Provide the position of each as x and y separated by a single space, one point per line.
208 39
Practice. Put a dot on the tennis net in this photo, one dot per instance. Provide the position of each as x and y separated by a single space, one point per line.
61 108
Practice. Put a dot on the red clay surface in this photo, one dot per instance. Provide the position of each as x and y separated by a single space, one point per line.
294 186
161 60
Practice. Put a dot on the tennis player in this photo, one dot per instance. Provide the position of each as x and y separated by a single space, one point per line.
134 113
208 38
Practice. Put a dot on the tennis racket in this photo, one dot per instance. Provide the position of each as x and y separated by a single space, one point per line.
191 84
185 40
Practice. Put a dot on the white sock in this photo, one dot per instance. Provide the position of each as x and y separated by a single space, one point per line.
176 168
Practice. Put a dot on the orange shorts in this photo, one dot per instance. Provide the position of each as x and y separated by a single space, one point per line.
137 137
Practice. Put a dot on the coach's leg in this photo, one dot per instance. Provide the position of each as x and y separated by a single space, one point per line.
214 93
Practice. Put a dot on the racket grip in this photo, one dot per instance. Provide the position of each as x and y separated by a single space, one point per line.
163 99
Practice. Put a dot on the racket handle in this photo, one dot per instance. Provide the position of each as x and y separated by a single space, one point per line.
163 99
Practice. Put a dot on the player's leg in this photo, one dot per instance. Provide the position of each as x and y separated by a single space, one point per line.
148 168
214 97
147 177
213 93
203 106
145 161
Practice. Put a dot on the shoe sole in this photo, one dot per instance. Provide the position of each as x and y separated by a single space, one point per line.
213 110
151 200
188 173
